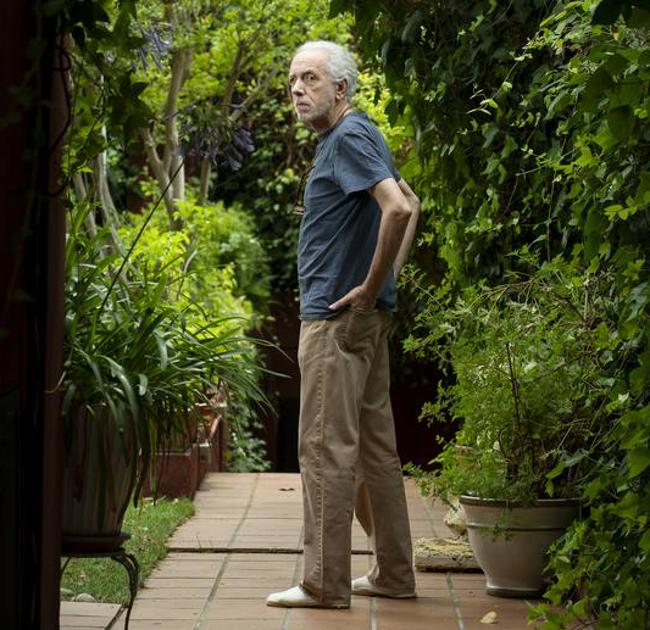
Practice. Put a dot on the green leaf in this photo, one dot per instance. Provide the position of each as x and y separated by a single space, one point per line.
640 18
490 134
638 460
120 373
558 104
597 85
593 233
142 384
640 378
616 64
607 12
644 542
627 507
490 102
128 6
556 471
639 298
640 196
337 7
411 27
621 121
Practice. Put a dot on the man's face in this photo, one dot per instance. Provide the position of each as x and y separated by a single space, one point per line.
313 94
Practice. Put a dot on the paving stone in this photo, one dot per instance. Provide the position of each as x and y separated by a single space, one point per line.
150 611
162 593
87 615
244 609
258 624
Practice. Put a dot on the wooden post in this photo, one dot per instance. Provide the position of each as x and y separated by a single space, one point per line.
31 245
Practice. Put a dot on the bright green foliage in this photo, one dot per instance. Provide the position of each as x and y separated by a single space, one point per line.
212 265
150 525
246 452
215 255
224 238
529 387
180 303
531 129
131 347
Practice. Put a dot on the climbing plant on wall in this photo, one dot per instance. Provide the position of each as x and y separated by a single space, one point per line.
532 137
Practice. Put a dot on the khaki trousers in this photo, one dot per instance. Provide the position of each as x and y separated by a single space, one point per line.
348 456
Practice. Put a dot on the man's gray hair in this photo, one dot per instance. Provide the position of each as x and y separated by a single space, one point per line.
340 63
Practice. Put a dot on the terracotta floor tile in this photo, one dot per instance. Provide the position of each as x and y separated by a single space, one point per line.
149 611
327 625
500 625
170 603
419 622
265 557
178 583
242 609
87 615
258 624
256 568
416 609
356 613
275 584
249 592
200 570
162 593
174 624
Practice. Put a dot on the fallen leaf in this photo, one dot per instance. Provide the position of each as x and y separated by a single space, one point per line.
490 617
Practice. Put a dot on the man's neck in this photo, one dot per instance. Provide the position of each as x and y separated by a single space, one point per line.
335 116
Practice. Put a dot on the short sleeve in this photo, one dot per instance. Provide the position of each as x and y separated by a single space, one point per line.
360 162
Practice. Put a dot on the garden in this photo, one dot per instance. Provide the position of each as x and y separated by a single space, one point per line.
523 127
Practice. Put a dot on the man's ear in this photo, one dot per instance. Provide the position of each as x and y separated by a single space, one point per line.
341 88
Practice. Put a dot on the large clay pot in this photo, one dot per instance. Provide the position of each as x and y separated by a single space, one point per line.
510 541
98 475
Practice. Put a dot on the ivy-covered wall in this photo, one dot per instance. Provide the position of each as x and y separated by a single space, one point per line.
532 147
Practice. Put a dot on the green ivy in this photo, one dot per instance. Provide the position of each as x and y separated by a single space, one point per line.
531 132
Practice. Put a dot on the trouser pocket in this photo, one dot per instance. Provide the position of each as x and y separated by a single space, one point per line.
358 328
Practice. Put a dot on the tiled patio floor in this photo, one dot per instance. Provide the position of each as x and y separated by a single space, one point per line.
75 615
244 543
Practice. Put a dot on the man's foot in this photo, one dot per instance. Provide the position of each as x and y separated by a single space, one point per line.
297 597
363 586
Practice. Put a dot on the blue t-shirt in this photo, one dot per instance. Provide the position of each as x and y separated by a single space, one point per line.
338 232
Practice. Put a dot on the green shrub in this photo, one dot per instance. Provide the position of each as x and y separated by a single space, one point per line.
531 129
529 392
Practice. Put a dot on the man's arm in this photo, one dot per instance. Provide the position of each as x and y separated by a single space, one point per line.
409 234
396 219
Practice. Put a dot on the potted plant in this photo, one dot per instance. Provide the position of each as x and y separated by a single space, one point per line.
134 364
529 404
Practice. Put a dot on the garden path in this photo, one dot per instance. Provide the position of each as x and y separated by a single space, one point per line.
244 543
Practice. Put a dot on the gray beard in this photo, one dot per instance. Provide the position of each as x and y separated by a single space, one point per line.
315 114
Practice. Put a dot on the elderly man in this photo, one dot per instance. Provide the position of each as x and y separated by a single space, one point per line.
356 231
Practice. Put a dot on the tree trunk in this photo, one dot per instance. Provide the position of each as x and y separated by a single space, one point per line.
162 177
102 191
172 159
